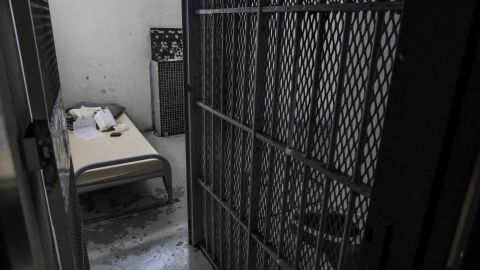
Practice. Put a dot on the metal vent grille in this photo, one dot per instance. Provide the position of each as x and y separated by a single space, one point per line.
293 98
168 97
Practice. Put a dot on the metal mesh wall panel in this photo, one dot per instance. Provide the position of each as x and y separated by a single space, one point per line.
293 98
170 98
58 177
46 51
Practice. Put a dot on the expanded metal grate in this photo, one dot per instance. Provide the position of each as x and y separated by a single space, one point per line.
170 102
293 99
167 81
59 180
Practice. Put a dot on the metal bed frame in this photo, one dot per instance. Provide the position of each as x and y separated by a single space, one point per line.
166 174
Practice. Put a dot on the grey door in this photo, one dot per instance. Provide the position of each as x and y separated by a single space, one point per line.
286 101
45 142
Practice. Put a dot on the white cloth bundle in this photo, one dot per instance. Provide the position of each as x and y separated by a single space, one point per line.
104 120
84 112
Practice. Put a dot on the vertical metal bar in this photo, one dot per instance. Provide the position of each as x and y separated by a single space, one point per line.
205 115
257 122
296 66
268 199
278 46
187 119
310 128
285 176
276 80
193 90
298 22
222 137
213 87
244 116
333 135
232 131
359 155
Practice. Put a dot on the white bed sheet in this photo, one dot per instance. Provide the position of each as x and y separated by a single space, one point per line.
130 144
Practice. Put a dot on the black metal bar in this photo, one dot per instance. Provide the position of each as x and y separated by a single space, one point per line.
359 155
221 202
372 6
186 114
276 81
244 118
333 135
213 163
232 213
227 10
269 251
293 105
209 258
268 199
360 188
232 131
294 87
205 150
288 160
284 207
222 132
194 93
310 128
257 121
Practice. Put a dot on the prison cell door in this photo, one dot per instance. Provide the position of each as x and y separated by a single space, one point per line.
287 104
287 101
45 144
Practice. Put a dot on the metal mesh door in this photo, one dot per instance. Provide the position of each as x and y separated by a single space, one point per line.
36 43
287 104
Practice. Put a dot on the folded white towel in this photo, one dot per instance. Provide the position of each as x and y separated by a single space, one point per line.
84 112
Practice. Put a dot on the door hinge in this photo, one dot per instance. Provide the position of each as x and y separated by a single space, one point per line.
37 148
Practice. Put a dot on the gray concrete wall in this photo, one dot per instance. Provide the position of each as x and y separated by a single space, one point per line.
103 50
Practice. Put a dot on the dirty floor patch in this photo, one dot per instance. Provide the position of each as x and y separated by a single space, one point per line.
155 237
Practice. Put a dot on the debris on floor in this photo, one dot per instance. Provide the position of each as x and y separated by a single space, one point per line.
133 226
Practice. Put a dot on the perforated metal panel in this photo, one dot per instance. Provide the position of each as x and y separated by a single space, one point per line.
167 75
168 100
286 113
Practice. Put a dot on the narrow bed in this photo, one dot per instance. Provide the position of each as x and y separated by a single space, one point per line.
112 161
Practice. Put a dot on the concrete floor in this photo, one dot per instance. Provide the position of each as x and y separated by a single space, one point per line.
155 237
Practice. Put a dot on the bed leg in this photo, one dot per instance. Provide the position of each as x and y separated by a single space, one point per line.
167 179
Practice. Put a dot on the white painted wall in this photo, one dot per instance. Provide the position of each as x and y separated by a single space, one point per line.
103 49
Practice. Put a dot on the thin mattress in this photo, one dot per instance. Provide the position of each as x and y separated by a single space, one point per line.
131 144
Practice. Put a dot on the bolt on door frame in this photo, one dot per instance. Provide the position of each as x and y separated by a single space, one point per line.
286 103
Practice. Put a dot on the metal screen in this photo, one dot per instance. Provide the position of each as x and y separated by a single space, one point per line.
168 99
49 124
292 97
167 75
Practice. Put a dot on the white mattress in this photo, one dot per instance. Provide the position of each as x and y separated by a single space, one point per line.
130 144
